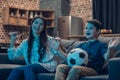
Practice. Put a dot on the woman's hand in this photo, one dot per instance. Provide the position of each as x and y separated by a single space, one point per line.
54 51
55 43
14 36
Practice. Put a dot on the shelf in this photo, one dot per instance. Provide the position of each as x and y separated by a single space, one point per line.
15 16
23 13
22 17
15 25
13 11
13 20
23 21
47 14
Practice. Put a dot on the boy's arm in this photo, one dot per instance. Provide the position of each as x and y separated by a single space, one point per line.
112 48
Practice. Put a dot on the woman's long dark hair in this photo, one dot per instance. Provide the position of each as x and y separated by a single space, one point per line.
43 41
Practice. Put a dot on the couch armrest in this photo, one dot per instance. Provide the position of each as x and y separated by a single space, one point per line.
4 60
19 61
114 69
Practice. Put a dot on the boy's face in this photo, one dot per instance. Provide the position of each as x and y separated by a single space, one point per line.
91 31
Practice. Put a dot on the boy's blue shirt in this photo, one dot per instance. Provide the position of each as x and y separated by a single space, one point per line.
96 51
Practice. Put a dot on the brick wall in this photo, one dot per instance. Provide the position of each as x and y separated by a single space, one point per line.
81 8
25 4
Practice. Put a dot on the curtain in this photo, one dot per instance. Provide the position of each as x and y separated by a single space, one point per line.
108 12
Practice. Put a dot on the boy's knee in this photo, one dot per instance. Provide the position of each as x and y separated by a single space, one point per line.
75 69
62 68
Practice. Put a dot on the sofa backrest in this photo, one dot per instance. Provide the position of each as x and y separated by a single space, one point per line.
70 44
4 60
106 39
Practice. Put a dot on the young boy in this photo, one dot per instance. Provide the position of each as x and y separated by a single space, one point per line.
96 51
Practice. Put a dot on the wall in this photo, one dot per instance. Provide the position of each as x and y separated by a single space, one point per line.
61 8
25 4
79 8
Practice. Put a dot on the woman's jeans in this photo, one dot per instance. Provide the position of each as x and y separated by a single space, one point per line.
27 72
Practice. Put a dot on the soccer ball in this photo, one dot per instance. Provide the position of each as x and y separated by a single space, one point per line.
78 57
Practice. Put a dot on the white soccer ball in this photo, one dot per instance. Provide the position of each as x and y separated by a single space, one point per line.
78 57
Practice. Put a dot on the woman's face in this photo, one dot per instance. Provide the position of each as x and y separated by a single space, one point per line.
37 27
90 31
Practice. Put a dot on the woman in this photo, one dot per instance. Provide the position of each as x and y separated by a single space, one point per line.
97 51
37 50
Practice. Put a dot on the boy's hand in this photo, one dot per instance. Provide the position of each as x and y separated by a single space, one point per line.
113 43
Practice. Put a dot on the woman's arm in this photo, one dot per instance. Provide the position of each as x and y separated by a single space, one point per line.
57 48
61 53
14 52
13 37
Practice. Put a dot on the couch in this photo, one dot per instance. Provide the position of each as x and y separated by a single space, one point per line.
110 72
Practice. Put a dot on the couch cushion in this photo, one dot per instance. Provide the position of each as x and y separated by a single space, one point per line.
70 44
105 39
4 60
51 76
19 60
100 77
114 69
46 76
5 70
